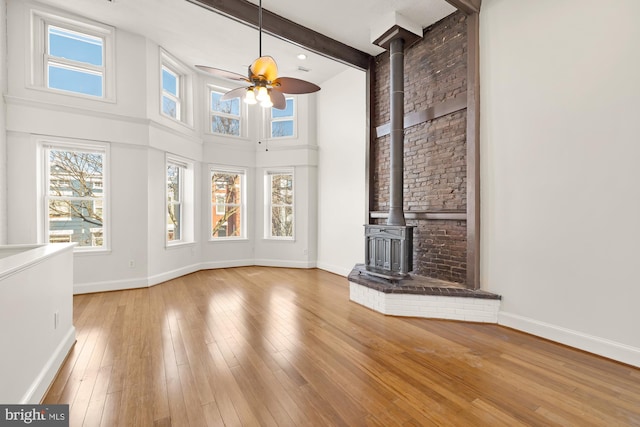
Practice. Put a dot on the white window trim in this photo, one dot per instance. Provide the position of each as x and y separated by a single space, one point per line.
37 78
187 192
60 144
267 198
175 98
211 113
184 89
243 218
271 120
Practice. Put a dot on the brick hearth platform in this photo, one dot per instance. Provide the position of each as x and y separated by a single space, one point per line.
419 296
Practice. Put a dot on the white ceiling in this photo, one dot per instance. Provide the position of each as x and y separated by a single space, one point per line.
198 36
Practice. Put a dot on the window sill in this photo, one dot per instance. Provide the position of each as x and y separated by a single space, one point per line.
229 240
91 252
177 245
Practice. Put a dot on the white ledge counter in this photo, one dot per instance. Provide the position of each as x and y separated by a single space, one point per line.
36 318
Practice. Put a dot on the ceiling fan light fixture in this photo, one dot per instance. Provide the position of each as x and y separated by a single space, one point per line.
250 97
266 103
263 94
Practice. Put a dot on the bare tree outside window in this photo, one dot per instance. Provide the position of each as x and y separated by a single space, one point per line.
174 203
226 204
75 197
281 205
225 115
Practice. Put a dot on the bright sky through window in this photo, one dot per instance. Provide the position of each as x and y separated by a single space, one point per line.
170 95
282 120
75 61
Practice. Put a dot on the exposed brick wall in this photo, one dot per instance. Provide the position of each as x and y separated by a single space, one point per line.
435 152
440 249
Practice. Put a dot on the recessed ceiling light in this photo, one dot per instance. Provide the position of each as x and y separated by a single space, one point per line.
302 56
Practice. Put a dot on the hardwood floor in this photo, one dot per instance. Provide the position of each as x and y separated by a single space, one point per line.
283 347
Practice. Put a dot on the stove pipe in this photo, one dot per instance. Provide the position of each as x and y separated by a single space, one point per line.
396 213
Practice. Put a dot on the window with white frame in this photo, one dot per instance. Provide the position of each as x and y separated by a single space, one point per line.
283 122
280 213
170 98
74 57
176 93
175 181
180 197
228 203
225 116
75 197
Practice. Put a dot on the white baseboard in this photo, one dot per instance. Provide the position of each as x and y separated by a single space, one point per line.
212 265
168 275
284 263
111 285
592 344
340 271
41 383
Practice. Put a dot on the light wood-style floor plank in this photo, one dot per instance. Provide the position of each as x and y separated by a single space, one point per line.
258 346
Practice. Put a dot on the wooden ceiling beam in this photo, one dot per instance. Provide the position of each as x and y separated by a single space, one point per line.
275 25
466 6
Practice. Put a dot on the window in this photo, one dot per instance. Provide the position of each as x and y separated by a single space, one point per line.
279 201
175 180
75 194
72 57
180 197
176 89
225 115
227 204
170 98
283 121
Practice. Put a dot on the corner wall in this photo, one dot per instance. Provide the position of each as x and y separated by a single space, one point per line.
559 170
342 142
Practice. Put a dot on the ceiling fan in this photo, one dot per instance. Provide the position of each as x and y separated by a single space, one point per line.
264 85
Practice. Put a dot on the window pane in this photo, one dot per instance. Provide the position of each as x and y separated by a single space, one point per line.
173 183
282 128
282 189
169 107
75 174
229 107
75 46
287 112
282 221
225 125
228 186
82 224
173 221
174 207
226 202
74 80
169 82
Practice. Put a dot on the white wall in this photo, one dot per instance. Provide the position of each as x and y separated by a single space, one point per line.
342 144
3 126
559 150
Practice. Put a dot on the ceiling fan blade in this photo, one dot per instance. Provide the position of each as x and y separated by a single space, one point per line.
278 99
235 93
264 66
295 86
222 73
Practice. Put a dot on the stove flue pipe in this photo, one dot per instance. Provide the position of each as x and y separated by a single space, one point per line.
396 213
